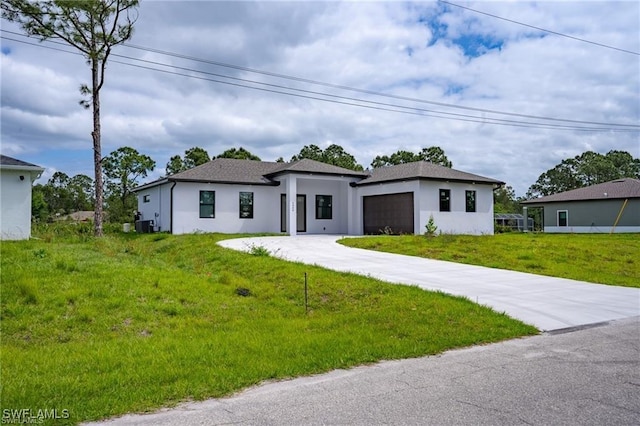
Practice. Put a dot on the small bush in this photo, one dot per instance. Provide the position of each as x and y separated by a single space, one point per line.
430 227
259 251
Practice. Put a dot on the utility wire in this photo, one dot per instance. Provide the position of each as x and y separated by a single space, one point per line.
541 29
343 100
369 92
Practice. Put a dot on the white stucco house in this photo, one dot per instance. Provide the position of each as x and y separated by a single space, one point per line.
16 180
306 196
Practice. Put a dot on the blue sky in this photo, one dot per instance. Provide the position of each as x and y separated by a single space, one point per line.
439 55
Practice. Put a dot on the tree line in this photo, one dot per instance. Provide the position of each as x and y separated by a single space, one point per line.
125 167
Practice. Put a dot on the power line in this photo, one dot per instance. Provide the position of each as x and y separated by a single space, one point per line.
369 92
308 94
542 29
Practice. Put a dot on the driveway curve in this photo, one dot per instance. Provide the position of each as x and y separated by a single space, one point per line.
548 303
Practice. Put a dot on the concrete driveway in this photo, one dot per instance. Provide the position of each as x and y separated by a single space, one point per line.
545 302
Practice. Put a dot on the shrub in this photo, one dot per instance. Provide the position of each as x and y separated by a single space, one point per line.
430 227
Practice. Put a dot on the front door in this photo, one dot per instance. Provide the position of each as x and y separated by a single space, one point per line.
301 213
301 209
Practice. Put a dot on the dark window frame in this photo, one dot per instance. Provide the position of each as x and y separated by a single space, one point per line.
324 212
470 202
245 210
445 200
146 198
211 204
561 220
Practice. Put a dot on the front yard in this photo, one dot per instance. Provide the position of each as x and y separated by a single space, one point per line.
132 323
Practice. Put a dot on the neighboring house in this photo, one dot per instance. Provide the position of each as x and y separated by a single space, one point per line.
607 207
306 196
16 179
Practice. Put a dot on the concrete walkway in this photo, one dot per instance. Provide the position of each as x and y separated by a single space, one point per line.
545 302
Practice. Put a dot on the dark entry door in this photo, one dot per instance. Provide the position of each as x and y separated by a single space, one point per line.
392 212
301 209
301 213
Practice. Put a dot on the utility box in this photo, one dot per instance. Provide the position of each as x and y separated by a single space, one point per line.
144 226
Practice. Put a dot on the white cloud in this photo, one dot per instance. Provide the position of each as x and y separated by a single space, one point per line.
377 46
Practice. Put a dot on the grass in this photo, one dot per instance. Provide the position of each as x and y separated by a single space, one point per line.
599 258
131 323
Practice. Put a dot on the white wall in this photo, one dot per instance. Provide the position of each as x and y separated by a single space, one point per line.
427 202
312 185
15 205
158 206
457 221
347 215
357 219
338 192
186 209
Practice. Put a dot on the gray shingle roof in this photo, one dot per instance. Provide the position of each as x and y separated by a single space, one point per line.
311 166
423 170
619 188
229 170
10 161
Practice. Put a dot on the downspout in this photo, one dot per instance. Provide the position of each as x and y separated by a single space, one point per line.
171 207
619 215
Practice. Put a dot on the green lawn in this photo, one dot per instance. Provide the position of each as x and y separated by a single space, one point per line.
598 258
131 323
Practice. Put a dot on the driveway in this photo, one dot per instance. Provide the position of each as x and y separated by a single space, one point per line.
545 302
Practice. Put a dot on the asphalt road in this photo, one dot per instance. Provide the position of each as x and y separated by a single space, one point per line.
589 376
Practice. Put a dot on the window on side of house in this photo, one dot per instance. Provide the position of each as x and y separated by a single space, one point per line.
445 200
324 206
207 204
246 205
563 218
146 198
470 201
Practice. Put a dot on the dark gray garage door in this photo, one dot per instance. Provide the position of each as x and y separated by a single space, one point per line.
394 211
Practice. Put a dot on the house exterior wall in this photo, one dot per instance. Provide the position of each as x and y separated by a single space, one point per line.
311 185
347 205
457 220
593 216
427 202
157 208
15 205
186 209
357 215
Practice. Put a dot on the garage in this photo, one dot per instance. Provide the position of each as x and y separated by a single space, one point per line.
388 211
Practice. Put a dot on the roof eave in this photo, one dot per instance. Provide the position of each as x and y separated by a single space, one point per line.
308 173
438 179
225 182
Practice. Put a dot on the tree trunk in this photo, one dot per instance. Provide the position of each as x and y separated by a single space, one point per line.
97 149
